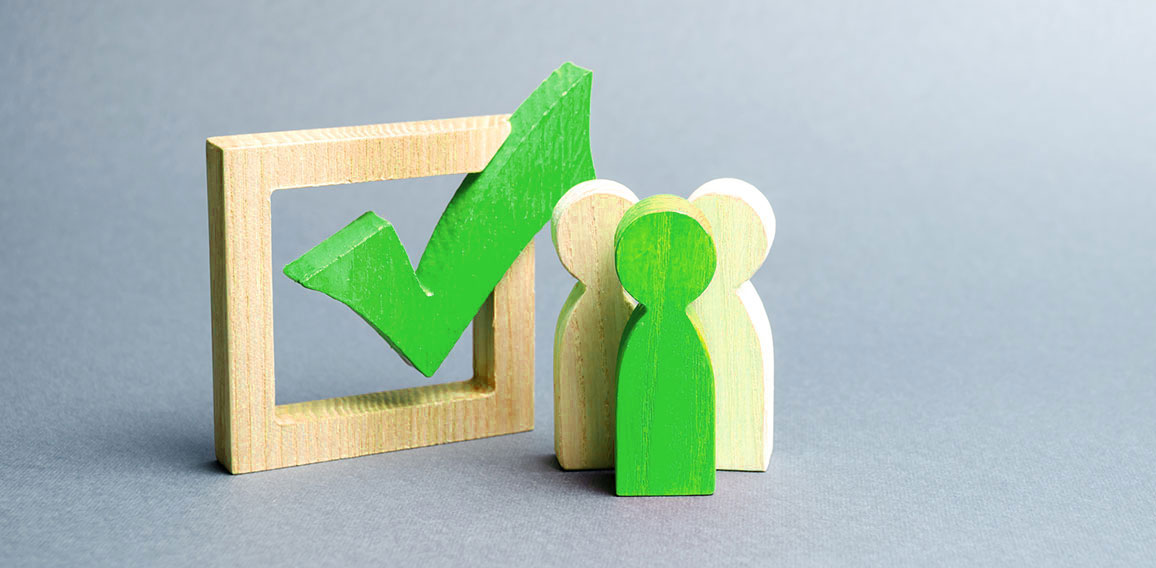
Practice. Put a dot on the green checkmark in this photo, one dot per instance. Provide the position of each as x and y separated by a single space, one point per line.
492 217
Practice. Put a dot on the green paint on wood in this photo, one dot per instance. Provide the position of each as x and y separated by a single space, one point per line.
492 217
665 424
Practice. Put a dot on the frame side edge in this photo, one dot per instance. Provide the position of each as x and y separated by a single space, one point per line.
222 419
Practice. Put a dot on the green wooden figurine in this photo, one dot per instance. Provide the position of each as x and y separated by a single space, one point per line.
665 431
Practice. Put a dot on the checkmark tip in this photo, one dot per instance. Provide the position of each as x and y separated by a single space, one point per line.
333 248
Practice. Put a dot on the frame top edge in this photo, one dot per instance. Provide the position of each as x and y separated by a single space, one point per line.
364 132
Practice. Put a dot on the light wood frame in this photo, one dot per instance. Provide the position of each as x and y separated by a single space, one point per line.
252 432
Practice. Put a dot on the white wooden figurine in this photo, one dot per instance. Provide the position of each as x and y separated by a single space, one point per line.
735 325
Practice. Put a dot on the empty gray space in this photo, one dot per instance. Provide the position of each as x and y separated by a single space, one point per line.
961 287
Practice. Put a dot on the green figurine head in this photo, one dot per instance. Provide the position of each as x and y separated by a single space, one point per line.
663 251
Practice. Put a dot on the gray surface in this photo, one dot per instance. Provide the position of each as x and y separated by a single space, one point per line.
961 288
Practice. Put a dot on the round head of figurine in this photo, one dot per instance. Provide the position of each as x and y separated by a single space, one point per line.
663 251
742 225
583 225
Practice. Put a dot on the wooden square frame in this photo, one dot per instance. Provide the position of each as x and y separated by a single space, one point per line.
252 432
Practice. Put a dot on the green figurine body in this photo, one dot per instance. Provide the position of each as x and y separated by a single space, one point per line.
665 423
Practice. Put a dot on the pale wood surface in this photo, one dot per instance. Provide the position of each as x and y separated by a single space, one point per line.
590 324
735 325
252 432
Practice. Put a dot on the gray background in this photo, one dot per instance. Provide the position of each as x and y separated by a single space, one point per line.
961 287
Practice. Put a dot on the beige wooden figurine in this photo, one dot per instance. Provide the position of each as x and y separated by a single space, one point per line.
590 324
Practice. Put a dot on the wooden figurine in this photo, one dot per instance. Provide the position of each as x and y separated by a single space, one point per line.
479 264
735 325
665 426
590 324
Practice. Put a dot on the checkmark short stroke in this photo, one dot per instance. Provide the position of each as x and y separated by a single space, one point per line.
491 218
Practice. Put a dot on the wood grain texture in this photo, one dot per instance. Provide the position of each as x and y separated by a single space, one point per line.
665 431
253 433
590 324
493 216
735 325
